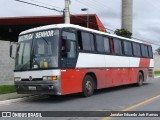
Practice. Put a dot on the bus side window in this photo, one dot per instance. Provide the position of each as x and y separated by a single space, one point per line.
100 43
112 46
136 50
68 47
144 50
150 51
117 46
86 41
106 45
79 40
127 45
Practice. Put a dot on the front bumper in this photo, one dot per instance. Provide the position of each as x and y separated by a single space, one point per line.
37 87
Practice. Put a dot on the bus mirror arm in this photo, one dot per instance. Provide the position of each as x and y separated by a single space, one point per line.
11 50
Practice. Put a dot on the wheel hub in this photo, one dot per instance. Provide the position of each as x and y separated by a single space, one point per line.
88 86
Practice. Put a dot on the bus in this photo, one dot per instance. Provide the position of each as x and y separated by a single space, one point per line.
63 59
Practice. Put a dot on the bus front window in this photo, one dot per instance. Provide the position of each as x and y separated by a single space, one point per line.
23 55
45 53
40 52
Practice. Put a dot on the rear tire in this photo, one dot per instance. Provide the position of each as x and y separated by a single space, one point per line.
88 86
140 79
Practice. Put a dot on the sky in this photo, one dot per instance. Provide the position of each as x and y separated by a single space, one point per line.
146 17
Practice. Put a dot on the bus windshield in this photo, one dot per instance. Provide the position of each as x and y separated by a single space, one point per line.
38 50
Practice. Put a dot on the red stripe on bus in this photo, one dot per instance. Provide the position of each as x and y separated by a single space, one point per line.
71 79
144 62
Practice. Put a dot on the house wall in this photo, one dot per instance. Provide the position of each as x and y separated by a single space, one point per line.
6 64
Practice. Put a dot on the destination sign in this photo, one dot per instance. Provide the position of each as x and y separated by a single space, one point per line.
45 34
26 37
37 35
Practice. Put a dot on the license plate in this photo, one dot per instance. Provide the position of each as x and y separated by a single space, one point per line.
32 87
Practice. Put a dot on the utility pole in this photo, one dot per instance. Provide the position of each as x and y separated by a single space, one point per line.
67 12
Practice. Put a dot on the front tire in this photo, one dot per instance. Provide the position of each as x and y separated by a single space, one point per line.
88 86
140 79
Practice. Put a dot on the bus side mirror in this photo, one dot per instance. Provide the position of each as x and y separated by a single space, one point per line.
11 52
67 45
13 48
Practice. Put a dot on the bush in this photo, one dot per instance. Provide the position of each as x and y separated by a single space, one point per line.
7 89
123 33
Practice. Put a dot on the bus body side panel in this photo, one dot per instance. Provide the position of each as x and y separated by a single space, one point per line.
94 63
145 64
117 71
71 79
132 75
125 76
109 81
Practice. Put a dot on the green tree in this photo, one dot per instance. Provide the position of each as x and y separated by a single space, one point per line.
123 33
158 51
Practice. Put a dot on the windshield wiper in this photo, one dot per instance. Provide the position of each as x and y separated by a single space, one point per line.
45 40
25 65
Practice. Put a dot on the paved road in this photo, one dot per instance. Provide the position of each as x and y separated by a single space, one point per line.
153 105
112 99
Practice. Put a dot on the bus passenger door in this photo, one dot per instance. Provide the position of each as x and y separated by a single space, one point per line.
70 79
68 49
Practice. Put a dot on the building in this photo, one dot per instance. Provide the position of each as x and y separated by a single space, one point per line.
11 27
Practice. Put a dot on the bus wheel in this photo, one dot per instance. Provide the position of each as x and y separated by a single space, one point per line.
88 86
140 79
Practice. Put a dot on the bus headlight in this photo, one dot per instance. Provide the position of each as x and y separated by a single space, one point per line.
50 78
17 79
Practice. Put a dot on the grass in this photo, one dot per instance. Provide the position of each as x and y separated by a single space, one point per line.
4 89
157 72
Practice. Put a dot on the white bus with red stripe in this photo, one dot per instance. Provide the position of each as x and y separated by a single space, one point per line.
64 59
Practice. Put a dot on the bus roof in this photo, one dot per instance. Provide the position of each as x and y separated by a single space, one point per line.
46 27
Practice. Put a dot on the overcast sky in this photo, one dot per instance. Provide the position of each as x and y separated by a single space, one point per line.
146 16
